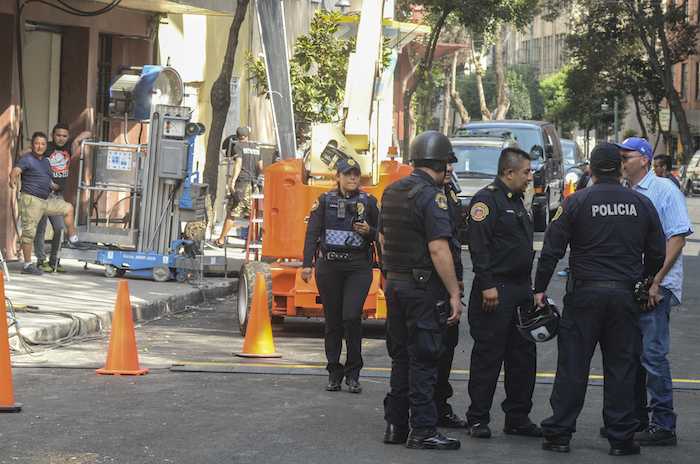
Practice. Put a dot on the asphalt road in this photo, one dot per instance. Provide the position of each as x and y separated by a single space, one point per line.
215 408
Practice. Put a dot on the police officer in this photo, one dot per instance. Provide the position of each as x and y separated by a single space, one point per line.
422 292
616 240
341 230
443 389
500 235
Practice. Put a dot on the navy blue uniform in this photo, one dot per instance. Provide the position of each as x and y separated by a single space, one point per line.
343 272
616 239
414 213
443 389
501 246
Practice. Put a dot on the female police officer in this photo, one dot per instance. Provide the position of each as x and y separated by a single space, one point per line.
341 229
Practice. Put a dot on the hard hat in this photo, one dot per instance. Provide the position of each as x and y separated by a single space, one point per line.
538 324
432 145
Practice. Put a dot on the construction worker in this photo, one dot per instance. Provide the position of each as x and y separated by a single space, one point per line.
341 230
247 166
422 292
443 389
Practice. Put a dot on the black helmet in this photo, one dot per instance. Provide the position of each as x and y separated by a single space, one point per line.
432 145
538 324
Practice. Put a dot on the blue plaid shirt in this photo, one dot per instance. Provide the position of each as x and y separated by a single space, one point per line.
673 213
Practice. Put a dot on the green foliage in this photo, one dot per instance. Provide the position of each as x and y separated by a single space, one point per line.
523 92
555 96
318 70
427 96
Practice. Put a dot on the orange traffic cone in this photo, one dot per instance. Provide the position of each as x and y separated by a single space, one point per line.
122 357
7 398
258 342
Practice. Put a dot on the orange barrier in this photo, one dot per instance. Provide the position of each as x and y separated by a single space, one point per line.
258 342
122 356
7 397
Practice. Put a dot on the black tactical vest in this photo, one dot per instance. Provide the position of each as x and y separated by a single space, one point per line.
339 215
405 247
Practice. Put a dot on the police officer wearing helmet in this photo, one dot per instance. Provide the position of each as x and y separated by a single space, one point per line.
443 389
501 246
341 230
616 240
422 292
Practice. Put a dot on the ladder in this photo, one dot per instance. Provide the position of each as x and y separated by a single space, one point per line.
253 242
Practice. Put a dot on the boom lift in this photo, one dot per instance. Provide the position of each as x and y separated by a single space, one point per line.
292 185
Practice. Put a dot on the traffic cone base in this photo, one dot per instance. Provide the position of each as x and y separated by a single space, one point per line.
105 371
7 397
122 355
258 342
252 355
16 408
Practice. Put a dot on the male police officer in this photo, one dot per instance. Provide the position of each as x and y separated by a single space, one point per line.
422 291
443 389
616 240
500 237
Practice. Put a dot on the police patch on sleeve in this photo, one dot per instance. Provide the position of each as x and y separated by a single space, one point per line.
314 207
479 211
454 196
558 213
441 200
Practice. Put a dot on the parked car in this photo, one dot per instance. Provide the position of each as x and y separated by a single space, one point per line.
690 175
574 165
477 163
541 140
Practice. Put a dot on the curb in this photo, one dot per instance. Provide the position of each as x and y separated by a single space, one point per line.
93 322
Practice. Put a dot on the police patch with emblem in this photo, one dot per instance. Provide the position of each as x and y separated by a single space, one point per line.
479 211
558 213
352 162
360 209
314 207
441 200
454 196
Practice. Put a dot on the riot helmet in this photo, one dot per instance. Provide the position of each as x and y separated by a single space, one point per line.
432 145
538 324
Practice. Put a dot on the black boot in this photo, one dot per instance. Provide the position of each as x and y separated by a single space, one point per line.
395 435
557 444
447 418
353 386
624 449
527 429
433 440
479 430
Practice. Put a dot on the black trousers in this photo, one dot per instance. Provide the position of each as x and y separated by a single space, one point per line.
415 327
592 316
343 292
443 389
497 343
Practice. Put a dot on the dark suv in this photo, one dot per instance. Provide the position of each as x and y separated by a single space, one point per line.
541 140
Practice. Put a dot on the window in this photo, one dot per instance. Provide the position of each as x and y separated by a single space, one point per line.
684 79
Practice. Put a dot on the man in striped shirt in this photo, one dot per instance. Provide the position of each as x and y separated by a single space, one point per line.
637 156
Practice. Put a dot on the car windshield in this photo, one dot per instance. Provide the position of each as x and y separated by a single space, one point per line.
476 159
526 137
569 151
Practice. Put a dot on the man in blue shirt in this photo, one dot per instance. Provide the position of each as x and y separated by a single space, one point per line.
637 156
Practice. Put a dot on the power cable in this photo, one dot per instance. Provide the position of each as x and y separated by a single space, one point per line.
69 9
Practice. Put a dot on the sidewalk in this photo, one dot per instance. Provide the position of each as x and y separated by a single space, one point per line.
85 299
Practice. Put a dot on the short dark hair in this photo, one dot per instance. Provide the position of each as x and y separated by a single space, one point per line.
510 159
615 172
435 165
60 125
37 135
666 159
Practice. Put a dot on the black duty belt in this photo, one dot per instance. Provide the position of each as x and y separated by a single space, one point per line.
337 256
610 284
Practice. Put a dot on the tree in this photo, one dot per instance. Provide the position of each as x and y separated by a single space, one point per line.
641 40
221 100
524 97
318 70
